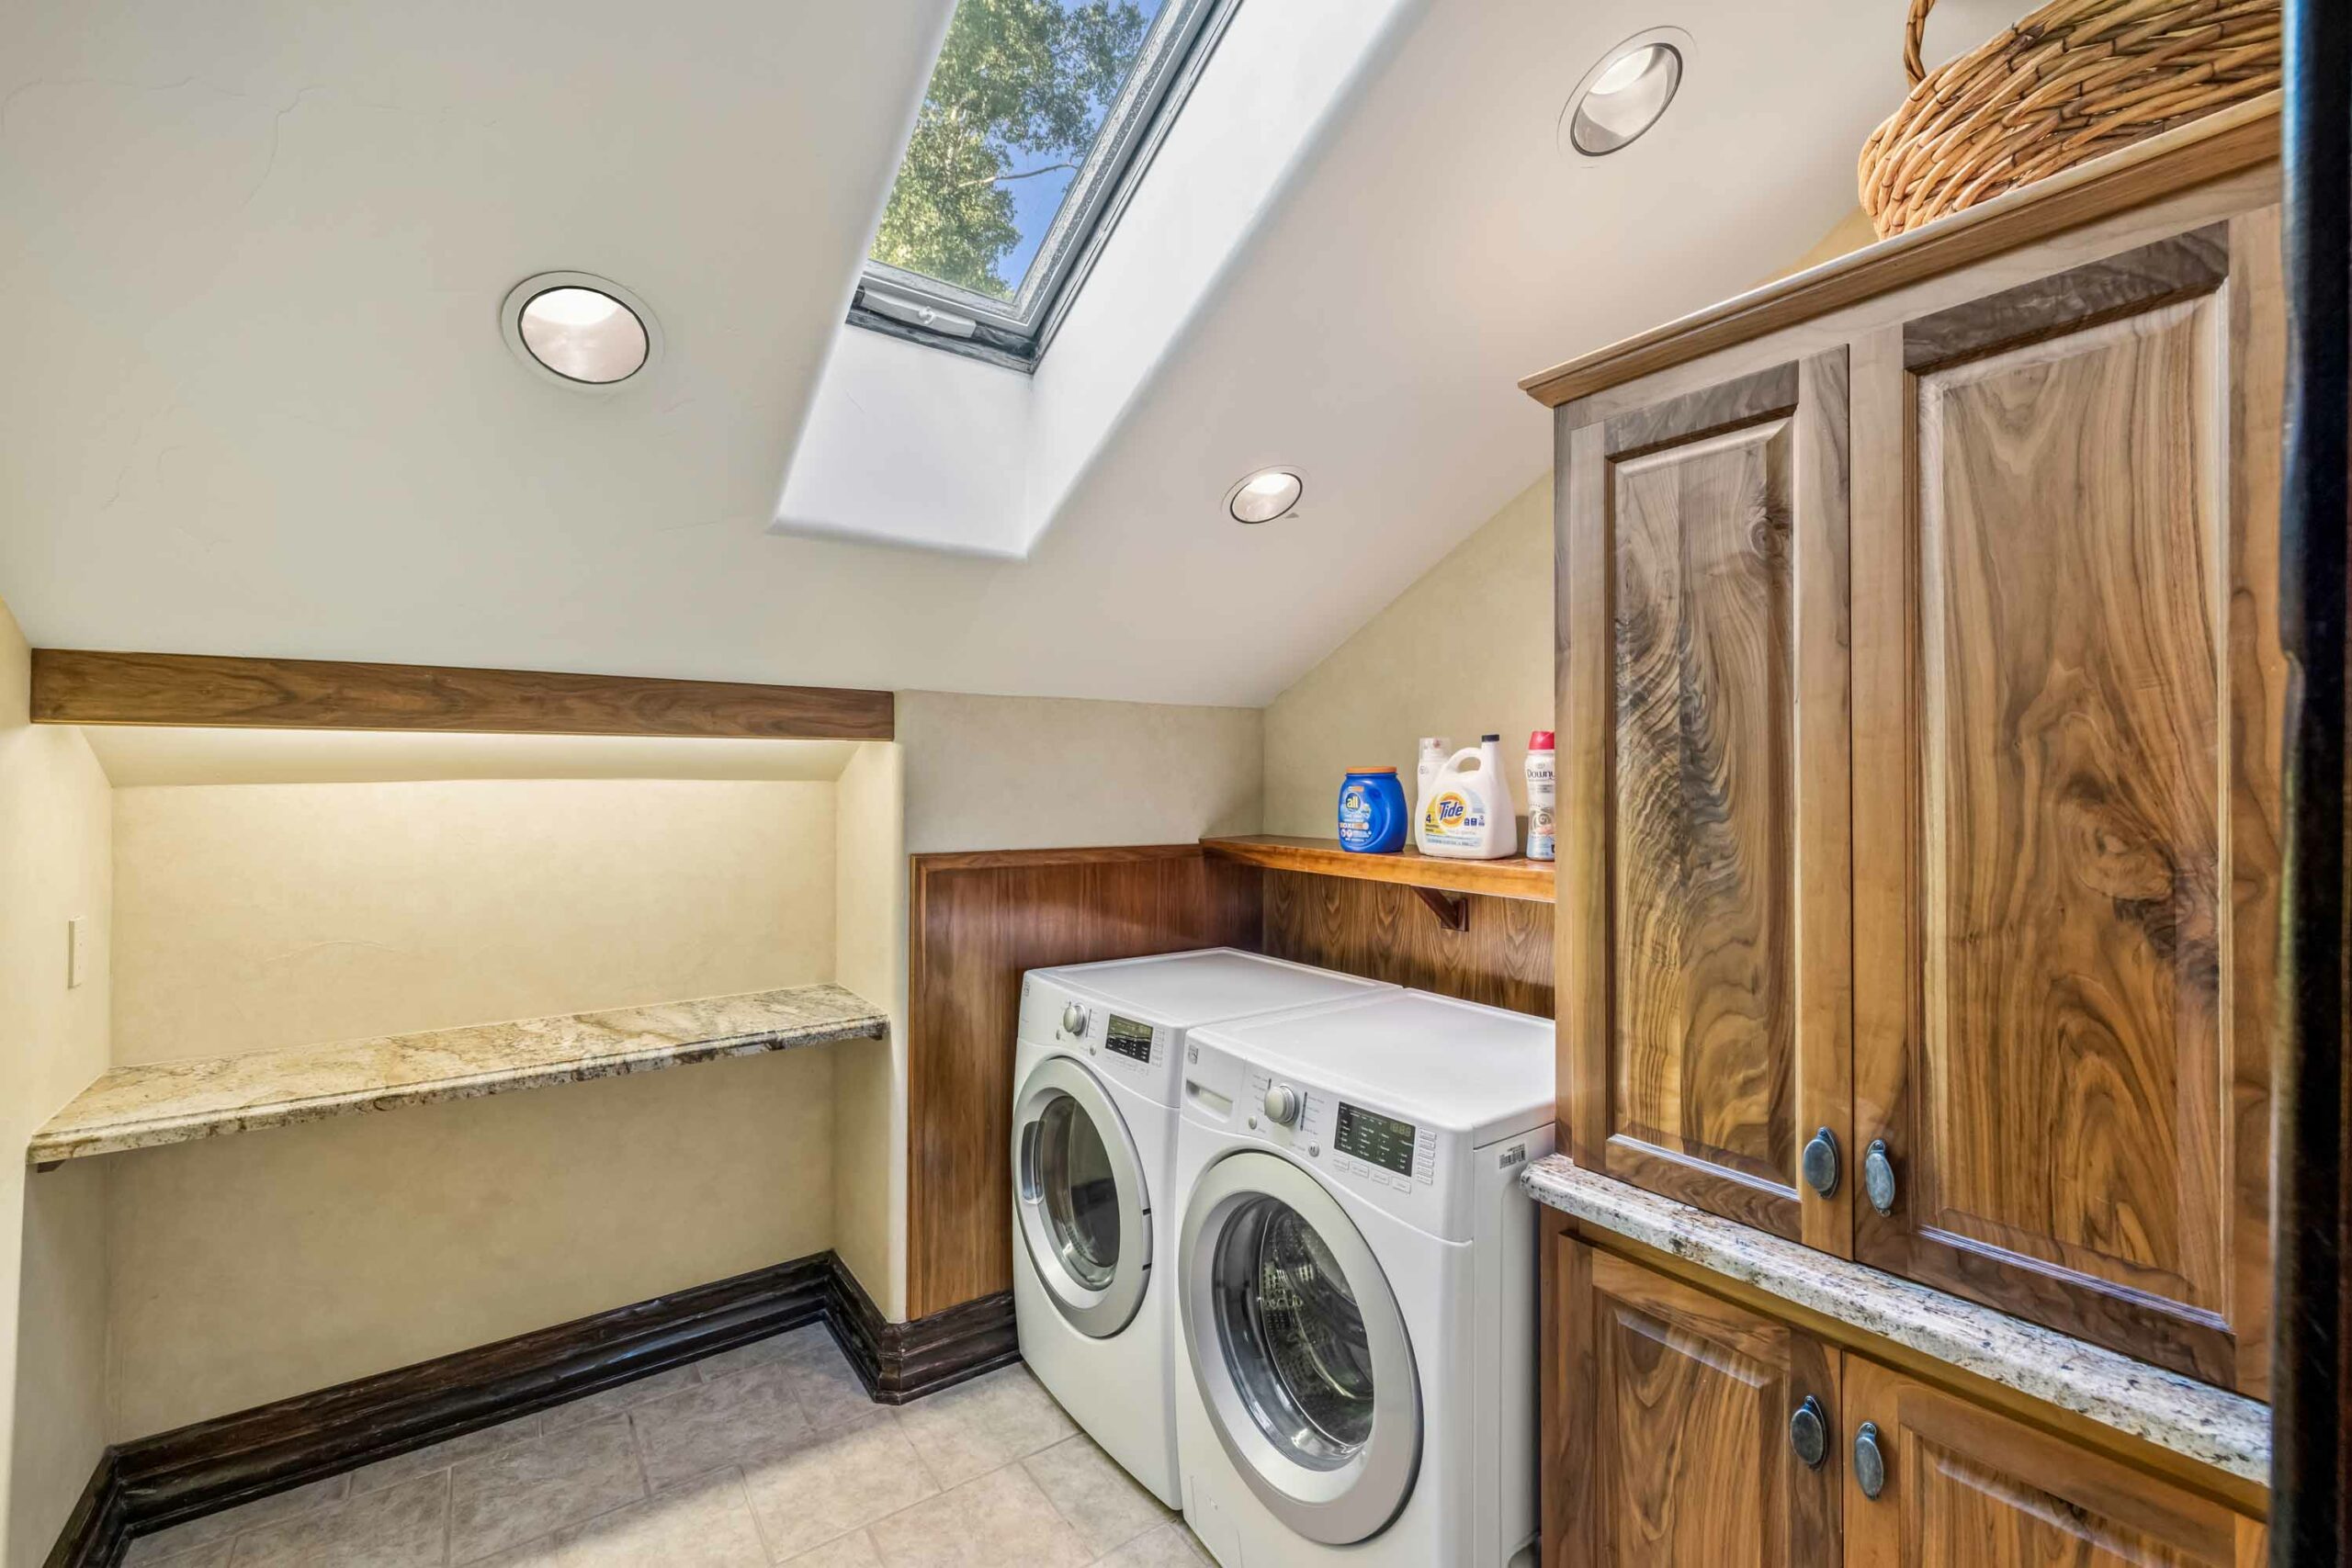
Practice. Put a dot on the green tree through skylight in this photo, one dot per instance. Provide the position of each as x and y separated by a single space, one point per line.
1018 94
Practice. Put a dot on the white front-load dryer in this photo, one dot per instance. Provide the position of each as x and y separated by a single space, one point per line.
1356 1281
1096 1072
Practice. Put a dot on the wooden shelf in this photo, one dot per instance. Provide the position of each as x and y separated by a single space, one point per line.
1515 878
178 1101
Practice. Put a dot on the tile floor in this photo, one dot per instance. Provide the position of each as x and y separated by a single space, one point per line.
768 1454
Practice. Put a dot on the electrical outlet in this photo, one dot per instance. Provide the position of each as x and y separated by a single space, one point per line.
75 962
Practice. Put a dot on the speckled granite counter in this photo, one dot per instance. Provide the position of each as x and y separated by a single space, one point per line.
2208 1425
175 1102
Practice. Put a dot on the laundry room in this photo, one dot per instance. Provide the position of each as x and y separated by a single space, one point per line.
1173 783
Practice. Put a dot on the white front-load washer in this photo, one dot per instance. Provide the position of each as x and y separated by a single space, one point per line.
1356 1280
1097 1067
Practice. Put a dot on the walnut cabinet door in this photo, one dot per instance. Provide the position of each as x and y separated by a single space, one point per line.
1703 924
1685 1432
2068 703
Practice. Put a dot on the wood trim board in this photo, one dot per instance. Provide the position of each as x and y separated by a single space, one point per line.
90 686
153 1483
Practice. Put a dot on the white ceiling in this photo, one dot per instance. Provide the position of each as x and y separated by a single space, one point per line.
251 256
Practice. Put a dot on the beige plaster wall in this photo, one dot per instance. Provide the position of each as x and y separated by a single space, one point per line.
251 1268
870 1077
53 867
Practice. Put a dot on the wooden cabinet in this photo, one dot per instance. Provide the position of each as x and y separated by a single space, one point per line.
1966 1487
1670 1444
1671 1411
1921 705
1702 825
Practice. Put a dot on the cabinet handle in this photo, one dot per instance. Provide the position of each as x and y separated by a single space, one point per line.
1820 1164
1809 1433
1878 1177
1869 1461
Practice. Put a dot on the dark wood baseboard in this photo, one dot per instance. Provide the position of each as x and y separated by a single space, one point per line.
153 1483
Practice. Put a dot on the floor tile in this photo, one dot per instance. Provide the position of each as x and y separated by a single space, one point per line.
828 1387
398 1527
182 1539
702 1523
1169 1546
850 1552
530 1489
1103 1504
620 1398
774 1347
1001 1520
442 1455
976 1426
725 1420
841 1478
215 1555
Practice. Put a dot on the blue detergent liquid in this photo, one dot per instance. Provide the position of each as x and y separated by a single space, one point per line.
1372 812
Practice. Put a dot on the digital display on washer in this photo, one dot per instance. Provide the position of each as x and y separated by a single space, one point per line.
1376 1139
1129 1038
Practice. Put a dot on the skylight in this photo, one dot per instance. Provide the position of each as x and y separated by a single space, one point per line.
1040 115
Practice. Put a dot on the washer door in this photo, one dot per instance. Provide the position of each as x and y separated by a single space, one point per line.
1080 1199
1299 1349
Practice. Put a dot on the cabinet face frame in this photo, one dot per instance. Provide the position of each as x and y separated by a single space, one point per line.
1937 1448
2224 1139
1793 419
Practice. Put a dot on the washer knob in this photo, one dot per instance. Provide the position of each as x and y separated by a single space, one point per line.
1282 1105
1074 1020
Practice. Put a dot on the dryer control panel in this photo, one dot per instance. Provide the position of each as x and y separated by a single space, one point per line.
1134 1050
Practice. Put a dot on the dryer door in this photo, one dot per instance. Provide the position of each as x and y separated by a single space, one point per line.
1299 1349
1078 1197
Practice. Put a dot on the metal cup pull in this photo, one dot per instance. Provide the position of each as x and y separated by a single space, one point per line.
1809 1433
1869 1461
1820 1162
1878 1177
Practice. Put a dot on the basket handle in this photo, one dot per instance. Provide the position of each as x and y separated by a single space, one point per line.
1914 33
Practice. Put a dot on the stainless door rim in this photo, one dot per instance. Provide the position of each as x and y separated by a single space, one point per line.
1359 1498
1098 1313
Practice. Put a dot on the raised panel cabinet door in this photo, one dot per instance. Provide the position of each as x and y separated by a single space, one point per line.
1667 1426
2070 697
1702 923
1966 1487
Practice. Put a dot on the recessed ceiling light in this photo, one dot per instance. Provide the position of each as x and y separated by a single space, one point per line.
1265 495
1627 93
583 330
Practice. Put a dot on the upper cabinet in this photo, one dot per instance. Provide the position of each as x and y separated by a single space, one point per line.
1920 715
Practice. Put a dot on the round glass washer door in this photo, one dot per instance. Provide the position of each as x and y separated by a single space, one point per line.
1079 1198
1299 1349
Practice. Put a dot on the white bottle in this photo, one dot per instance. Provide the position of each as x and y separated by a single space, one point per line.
1467 814
1542 797
1435 749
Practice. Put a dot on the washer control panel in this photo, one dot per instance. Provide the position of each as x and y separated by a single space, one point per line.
1117 1045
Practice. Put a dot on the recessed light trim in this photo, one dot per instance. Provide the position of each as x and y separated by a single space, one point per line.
1265 496
1627 93
580 330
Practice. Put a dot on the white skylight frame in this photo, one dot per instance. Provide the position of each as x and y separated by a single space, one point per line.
1015 332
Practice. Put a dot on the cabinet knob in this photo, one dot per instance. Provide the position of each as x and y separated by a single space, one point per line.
1878 1177
1869 1461
1809 1433
1820 1164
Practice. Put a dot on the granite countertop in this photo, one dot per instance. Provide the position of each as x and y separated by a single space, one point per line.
2214 1427
176 1103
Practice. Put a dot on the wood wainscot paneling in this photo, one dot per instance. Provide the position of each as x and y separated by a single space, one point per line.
80 686
1502 957
977 922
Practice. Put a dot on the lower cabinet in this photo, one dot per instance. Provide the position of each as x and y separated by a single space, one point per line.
1683 1431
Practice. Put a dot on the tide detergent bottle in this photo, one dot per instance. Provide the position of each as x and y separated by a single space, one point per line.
1467 813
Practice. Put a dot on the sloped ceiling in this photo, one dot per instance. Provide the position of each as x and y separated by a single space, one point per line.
251 253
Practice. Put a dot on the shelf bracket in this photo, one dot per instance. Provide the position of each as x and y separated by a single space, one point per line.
1451 910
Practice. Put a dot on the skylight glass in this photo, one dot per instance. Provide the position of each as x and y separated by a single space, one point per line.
1039 116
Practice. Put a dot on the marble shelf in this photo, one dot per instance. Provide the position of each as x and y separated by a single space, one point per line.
2208 1425
207 1096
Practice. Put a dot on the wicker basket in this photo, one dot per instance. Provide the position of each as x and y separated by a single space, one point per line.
2073 80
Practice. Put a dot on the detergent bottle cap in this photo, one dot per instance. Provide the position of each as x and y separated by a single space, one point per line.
1540 741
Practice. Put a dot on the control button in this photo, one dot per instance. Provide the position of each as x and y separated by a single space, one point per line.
1427 1179
1282 1105
1314 1151
1074 1020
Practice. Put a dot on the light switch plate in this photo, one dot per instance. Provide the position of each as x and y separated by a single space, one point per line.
74 963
